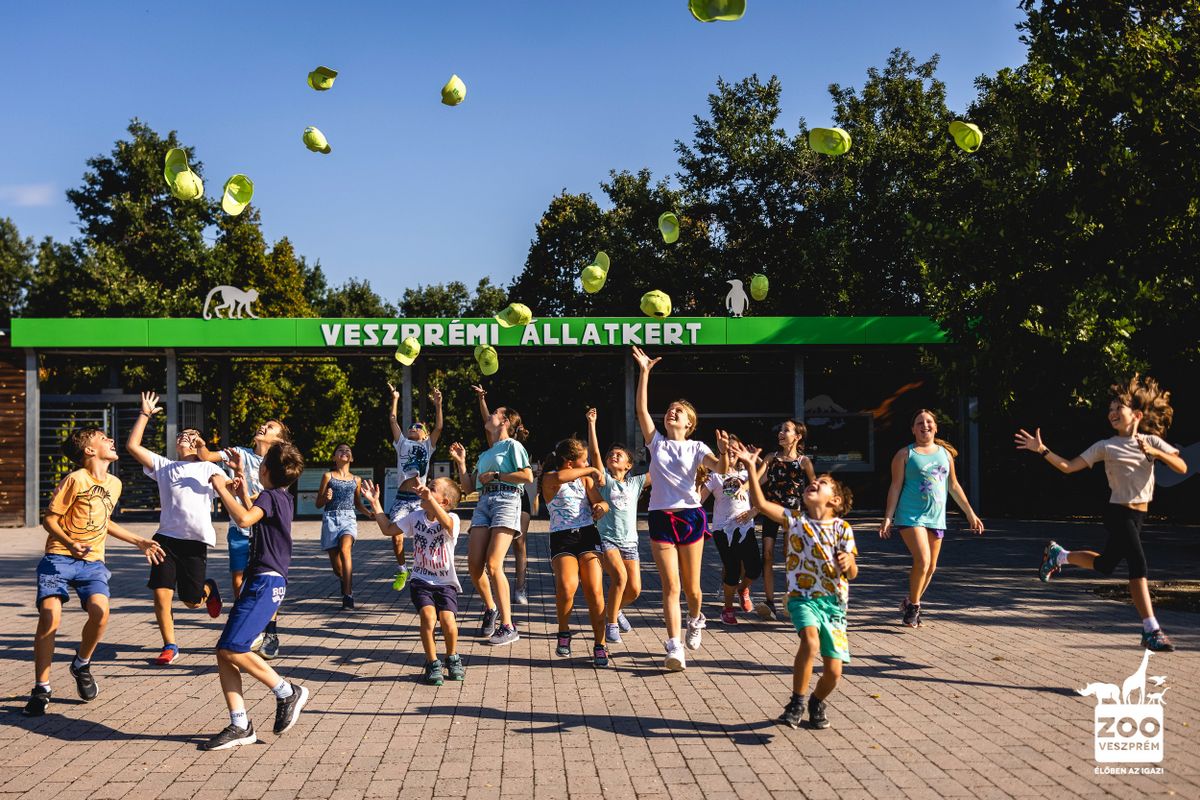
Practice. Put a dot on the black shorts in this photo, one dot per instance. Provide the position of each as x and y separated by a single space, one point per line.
442 598
525 509
1124 526
575 542
183 570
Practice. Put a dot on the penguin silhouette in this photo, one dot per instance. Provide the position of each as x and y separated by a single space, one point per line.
737 301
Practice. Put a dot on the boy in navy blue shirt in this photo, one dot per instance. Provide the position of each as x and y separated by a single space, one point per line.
269 518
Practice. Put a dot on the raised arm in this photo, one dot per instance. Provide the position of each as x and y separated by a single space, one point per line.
458 454
599 505
719 463
481 396
371 493
204 454
645 364
242 516
750 457
133 444
432 506
436 396
360 499
392 420
594 447
1033 442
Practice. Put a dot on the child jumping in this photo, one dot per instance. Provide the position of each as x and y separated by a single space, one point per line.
569 491
922 475
788 472
339 499
270 518
821 562
78 521
185 529
618 529
1140 412
733 521
433 584
414 450
677 522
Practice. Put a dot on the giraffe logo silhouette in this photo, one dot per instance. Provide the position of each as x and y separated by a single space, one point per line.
1128 719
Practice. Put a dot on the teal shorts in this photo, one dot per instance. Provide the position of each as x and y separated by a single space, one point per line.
828 616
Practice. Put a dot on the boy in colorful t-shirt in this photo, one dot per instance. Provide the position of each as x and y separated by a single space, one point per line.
78 521
821 562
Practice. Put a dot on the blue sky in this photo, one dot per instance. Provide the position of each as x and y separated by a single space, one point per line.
558 93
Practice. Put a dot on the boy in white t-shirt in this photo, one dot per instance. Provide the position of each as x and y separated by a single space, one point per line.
433 582
185 529
414 450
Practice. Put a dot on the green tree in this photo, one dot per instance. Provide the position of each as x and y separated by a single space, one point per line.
16 269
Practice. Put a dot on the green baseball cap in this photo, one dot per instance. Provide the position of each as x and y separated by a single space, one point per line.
966 135
515 315
656 304
321 78
713 10
668 223
454 92
830 141
315 140
593 278
408 351
184 184
759 286
487 359
238 191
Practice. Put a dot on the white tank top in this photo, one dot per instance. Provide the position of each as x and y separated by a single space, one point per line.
570 507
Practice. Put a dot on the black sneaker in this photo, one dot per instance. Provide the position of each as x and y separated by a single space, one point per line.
912 614
84 682
793 712
270 646
433 673
816 714
287 710
488 627
231 737
39 698
455 670
348 602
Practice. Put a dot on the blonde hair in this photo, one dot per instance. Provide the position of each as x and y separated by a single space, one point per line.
691 409
942 442
1145 395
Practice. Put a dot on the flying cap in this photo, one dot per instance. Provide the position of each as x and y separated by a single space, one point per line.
668 223
315 140
454 92
321 78
487 359
966 135
759 286
238 191
830 141
408 351
516 314
184 184
713 10
656 304
595 274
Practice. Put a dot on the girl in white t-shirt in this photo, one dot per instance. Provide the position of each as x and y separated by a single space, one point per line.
1141 405
677 522
733 531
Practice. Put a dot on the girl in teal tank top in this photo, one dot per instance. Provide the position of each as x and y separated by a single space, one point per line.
922 477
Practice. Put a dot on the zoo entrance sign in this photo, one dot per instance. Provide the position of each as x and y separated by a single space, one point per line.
332 334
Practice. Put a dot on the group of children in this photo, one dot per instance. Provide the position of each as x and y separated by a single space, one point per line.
592 502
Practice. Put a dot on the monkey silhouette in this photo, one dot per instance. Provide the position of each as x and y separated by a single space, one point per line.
233 300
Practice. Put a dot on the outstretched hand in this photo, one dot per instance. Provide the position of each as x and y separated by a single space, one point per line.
150 405
479 390
458 453
234 458
395 392
590 416
645 362
435 395
1029 441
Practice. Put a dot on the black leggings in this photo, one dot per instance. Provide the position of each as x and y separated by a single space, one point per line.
738 556
1124 527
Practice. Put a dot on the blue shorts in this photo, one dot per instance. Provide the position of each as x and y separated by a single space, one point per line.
335 525
239 549
498 510
56 574
678 526
404 504
255 606
628 552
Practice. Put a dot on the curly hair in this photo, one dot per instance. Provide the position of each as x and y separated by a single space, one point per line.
1145 395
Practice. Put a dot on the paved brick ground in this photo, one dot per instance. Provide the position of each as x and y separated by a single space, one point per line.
978 703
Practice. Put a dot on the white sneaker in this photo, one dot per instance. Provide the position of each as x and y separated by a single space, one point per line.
695 628
520 597
676 661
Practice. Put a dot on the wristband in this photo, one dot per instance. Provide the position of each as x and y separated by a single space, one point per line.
145 414
1045 451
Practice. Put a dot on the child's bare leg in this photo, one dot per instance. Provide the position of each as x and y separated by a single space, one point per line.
1083 558
428 619
449 631
49 616
935 550
345 546
163 616
917 541
690 556
237 578
249 663
830 675
398 549
93 629
592 577
497 550
810 644
633 582
335 561
1139 592
231 682
477 549
618 582
566 582
667 560
520 554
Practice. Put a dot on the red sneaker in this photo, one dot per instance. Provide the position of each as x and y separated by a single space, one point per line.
213 603
728 617
747 606
168 654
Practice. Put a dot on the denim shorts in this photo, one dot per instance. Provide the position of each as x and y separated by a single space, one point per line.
239 549
256 605
628 552
57 573
335 525
498 510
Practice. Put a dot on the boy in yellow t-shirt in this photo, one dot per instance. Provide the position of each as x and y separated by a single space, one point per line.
78 522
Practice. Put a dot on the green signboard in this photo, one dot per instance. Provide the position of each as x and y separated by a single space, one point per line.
328 334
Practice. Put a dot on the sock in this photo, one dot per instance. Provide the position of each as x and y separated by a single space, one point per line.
1063 555
283 691
171 646
799 698
45 687
270 627
1150 624
238 719
672 643
80 663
